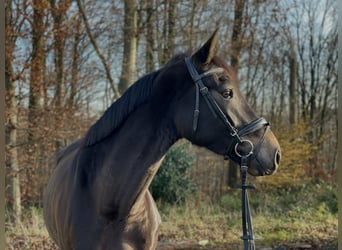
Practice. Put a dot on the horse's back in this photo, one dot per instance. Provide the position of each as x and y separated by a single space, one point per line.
57 206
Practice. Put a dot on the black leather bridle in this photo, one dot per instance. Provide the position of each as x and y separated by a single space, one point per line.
236 134
233 149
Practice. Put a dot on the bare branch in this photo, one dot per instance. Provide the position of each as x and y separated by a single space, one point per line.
98 51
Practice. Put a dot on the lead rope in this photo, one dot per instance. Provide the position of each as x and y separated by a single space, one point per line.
247 228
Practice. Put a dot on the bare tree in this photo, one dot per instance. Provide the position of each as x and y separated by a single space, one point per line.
74 66
12 162
105 64
128 68
150 34
37 72
166 41
58 11
235 59
293 84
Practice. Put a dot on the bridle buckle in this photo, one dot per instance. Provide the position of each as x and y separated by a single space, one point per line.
204 90
235 133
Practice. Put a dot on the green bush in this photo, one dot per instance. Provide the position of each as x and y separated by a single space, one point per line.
172 184
328 196
231 201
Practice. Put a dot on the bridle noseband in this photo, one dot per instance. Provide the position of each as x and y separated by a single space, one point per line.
233 147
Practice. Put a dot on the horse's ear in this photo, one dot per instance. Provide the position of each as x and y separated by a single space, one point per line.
207 52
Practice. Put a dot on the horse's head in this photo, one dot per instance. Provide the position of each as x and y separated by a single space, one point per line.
210 111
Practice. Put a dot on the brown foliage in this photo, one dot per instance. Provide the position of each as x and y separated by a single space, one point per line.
36 157
296 154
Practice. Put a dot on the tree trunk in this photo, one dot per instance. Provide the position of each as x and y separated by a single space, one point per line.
192 23
74 66
58 13
12 164
171 30
36 73
237 33
34 112
166 43
293 84
149 38
235 60
130 46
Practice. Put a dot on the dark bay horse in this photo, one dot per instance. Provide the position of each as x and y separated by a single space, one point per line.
98 196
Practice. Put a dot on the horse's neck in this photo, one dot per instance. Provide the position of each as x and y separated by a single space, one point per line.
133 157
144 137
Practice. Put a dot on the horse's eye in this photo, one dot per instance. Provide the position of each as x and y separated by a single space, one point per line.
227 94
223 78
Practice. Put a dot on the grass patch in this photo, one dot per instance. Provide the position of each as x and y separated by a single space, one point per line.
286 215
28 234
282 216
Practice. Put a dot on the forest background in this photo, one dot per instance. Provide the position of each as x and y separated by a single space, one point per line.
67 61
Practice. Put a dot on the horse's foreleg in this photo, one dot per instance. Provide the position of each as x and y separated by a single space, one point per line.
142 227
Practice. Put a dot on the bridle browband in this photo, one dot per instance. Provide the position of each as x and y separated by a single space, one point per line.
236 135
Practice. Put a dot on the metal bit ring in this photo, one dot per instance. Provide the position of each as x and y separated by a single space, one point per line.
241 153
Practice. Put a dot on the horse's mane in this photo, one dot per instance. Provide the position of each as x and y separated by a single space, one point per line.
135 95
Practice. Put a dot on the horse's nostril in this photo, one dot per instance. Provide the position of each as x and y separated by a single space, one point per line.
277 158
